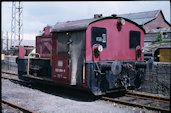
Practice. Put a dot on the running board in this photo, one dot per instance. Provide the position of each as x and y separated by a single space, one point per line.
38 78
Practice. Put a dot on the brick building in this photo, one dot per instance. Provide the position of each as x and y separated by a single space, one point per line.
153 22
148 20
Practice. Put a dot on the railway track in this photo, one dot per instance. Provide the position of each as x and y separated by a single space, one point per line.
12 106
9 73
143 100
134 99
15 107
12 76
8 78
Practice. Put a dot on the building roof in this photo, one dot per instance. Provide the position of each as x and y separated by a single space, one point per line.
141 18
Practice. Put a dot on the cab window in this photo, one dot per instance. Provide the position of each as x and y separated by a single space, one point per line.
62 47
98 36
134 39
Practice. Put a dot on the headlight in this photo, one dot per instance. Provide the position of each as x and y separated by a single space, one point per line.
100 48
122 21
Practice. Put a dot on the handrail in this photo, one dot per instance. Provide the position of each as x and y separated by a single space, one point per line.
29 61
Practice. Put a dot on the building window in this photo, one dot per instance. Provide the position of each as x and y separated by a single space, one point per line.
134 39
98 36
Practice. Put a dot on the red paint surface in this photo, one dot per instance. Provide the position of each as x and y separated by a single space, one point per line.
44 43
44 46
117 42
21 52
47 30
60 74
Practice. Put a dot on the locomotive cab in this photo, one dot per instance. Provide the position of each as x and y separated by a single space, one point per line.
114 55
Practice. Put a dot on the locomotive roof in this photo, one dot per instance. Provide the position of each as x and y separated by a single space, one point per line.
79 25
73 25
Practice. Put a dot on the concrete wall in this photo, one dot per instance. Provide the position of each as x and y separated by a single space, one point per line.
9 64
158 81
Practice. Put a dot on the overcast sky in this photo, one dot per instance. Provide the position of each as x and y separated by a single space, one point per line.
36 15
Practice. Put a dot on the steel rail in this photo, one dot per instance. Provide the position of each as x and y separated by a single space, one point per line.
25 110
135 104
148 96
9 73
14 79
8 78
11 108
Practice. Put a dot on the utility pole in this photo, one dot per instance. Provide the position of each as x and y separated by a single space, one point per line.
16 23
20 23
7 40
13 25
2 40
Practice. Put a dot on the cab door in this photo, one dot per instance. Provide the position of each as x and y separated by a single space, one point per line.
61 60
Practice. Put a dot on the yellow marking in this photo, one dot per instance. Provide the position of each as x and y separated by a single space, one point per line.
2 56
165 54
29 61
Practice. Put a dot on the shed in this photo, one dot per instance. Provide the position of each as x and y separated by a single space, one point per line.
163 54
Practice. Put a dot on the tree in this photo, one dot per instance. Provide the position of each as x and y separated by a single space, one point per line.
160 36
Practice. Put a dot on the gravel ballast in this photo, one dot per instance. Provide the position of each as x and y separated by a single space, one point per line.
42 102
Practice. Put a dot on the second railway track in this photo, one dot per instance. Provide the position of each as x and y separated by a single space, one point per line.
17 107
142 100
9 73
